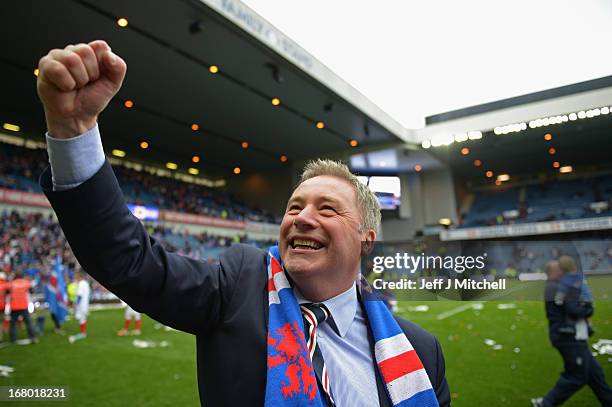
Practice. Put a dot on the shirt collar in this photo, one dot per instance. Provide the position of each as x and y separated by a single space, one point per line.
343 307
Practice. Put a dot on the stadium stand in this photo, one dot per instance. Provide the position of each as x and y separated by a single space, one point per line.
31 242
20 168
593 256
488 205
32 238
554 200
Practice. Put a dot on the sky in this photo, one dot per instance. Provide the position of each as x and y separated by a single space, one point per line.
418 58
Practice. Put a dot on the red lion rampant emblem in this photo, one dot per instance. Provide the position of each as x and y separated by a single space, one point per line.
289 353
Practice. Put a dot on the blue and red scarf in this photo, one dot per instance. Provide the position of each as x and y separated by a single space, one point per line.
291 380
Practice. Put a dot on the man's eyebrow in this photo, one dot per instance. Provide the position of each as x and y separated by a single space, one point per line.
295 198
329 198
324 198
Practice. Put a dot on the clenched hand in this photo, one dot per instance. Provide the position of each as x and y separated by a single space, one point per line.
75 84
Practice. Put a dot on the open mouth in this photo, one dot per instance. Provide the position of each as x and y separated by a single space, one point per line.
305 244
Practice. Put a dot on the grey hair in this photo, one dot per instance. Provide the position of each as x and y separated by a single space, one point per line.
366 200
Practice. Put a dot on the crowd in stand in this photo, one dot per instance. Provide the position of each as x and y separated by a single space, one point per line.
549 201
145 189
33 250
32 245
204 245
20 169
31 242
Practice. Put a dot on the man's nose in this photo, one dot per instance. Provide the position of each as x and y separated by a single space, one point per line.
306 218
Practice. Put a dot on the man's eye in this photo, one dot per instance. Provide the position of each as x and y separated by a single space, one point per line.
328 209
293 209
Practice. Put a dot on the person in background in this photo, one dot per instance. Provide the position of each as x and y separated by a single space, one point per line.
129 315
71 290
574 286
81 306
19 290
564 310
4 286
56 297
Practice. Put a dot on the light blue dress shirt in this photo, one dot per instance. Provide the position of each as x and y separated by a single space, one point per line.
343 339
75 160
346 350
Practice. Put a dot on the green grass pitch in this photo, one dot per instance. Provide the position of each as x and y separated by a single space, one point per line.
108 370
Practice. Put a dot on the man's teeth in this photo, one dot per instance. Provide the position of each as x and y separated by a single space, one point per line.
305 244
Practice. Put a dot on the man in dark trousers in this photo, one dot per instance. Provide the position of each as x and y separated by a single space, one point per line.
341 350
19 291
568 333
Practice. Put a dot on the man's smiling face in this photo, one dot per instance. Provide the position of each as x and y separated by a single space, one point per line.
320 233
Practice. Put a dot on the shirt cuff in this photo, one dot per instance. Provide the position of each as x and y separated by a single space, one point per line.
75 160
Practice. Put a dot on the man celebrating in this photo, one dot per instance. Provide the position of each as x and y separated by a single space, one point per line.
293 326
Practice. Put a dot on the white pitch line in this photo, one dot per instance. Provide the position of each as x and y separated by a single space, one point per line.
454 311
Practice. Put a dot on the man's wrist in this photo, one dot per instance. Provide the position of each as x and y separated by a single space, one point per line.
69 128
76 159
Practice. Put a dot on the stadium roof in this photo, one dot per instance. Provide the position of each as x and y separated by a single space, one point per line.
445 69
169 48
416 59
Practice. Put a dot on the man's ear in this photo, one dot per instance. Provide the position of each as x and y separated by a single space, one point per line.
367 244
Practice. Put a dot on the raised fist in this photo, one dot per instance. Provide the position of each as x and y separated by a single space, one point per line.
75 84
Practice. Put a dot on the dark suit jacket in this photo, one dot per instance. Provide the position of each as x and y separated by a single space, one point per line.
562 317
225 306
